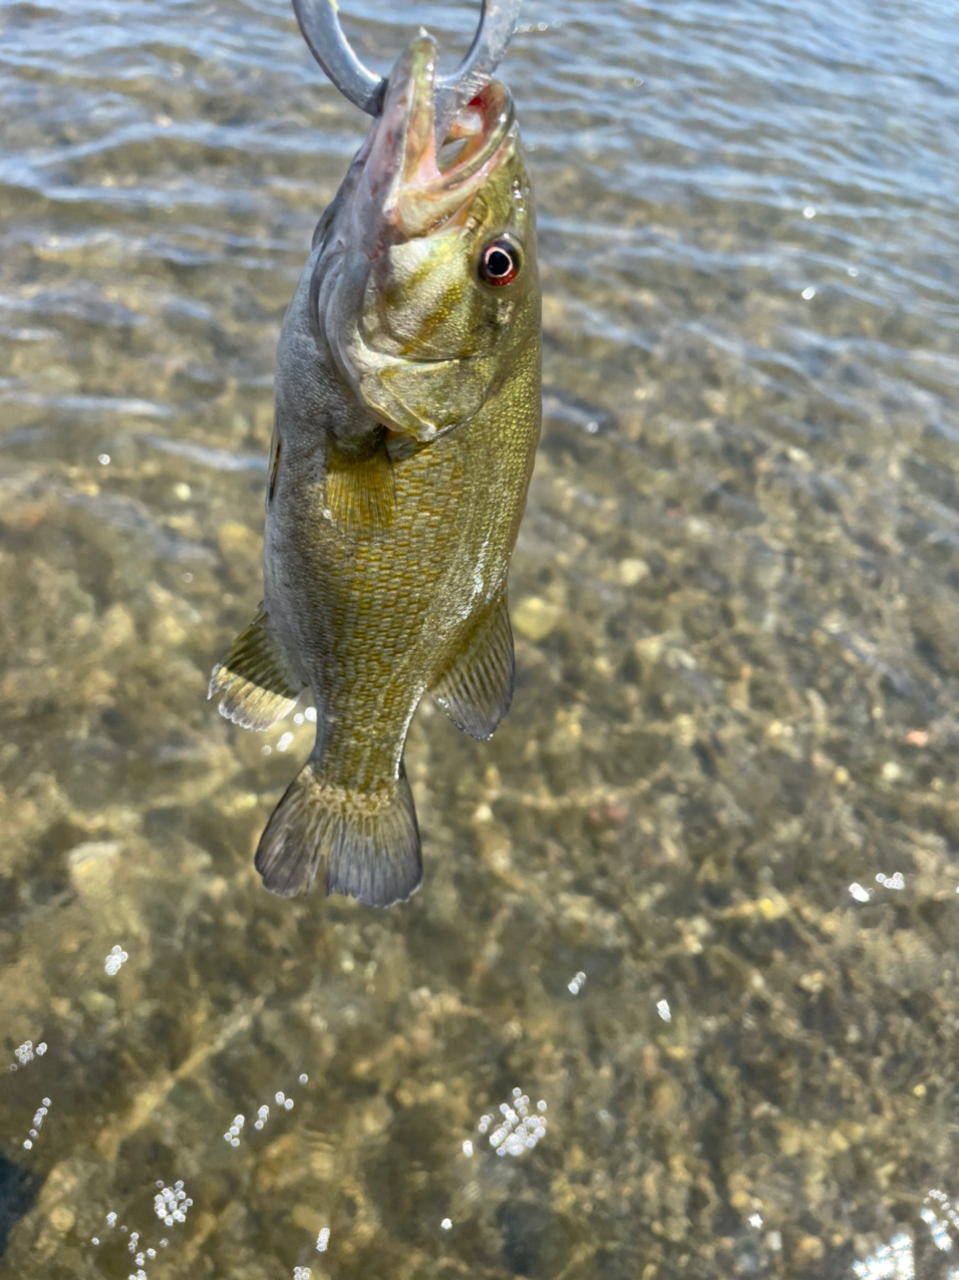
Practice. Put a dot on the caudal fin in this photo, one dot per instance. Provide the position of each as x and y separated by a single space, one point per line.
369 838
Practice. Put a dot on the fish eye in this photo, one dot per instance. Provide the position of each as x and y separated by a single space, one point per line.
499 263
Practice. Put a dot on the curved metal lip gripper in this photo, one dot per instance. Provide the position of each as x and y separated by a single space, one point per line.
319 21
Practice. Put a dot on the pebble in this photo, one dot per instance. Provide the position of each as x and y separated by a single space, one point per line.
535 618
632 571
62 1218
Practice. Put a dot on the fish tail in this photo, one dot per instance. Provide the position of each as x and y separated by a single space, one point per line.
370 840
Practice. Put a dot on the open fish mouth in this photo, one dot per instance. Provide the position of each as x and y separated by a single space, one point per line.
426 185
475 134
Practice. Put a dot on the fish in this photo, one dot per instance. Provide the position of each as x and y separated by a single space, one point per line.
406 419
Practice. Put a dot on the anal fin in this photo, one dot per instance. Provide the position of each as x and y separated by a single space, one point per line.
477 689
253 681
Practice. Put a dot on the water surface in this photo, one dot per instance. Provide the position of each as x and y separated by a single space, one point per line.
698 896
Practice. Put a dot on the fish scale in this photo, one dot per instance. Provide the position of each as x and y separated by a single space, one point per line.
385 630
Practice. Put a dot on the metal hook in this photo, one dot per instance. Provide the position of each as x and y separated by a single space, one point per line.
320 24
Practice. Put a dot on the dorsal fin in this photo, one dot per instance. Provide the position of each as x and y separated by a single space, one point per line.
477 689
254 681
361 492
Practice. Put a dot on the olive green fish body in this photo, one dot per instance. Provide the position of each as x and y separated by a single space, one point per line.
388 610
407 417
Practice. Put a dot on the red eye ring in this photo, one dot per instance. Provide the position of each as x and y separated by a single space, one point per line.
499 263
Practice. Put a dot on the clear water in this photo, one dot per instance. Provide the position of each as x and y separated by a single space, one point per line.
699 894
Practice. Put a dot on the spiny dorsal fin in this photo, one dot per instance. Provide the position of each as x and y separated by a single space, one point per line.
253 681
477 689
361 492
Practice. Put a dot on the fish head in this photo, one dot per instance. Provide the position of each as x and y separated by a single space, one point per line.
425 288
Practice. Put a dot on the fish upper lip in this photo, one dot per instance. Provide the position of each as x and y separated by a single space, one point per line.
417 195
494 105
427 197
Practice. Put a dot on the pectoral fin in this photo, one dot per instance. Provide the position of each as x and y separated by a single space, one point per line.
361 492
477 689
253 681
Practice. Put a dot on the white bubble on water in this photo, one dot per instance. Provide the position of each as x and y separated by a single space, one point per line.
232 1135
892 1261
938 1219
895 881
27 1052
171 1204
519 1130
938 1230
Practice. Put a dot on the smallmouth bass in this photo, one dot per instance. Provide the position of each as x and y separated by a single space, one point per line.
407 413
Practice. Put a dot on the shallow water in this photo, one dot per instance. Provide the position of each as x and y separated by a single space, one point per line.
698 896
